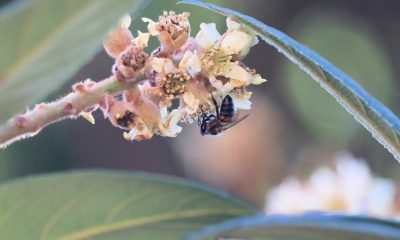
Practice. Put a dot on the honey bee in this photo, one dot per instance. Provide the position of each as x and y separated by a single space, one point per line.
224 119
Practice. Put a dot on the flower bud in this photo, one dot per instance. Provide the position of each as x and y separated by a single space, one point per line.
172 29
119 38
143 107
121 114
129 63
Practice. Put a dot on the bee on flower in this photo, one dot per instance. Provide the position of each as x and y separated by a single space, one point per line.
181 76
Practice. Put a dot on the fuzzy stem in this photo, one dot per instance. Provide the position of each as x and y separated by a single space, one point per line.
70 106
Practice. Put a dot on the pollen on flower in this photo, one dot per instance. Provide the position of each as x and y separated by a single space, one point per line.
174 24
172 29
130 62
186 78
175 83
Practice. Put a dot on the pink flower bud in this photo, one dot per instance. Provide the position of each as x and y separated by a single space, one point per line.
117 41
129 63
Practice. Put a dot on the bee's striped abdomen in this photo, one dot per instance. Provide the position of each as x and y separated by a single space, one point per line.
227 111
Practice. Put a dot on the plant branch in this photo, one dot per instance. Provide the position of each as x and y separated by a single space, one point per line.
85 97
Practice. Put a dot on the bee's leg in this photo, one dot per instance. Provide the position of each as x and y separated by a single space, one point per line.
200 119
216 106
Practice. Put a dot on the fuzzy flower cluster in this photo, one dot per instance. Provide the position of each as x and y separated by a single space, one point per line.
180 75
349 188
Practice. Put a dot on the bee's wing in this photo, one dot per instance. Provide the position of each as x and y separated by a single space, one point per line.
229 125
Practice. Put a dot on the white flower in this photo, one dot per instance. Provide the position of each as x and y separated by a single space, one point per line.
241 101
190 63
281 198
238 75
232 24
208 35
351 188
151 26
199 91
170 127
222 89
238 40
162 65
141 131
256 79
238 43
381 196
142 39
190 103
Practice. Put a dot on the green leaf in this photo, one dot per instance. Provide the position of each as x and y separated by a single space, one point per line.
349 44
312 226
372 114
110 205
44 42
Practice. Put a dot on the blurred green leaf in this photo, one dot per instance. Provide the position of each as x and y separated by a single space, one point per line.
372 114
313 226
110 205
350 45
45 42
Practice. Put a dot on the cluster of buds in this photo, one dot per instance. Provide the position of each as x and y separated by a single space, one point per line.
184 69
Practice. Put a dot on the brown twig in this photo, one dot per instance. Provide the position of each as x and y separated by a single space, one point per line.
85 97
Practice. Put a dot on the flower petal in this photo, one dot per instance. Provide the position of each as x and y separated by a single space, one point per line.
238 42
142 39
170 127
162 65
125 21
151 26
241 101
257 79
199 90
237 83
138 133
190 103
237 72
164 113
207 35
222 89
190 63
88 116
232 24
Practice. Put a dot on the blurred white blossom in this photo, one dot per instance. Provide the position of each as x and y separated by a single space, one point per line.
349 188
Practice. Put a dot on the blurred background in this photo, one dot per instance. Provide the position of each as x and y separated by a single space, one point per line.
294 129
